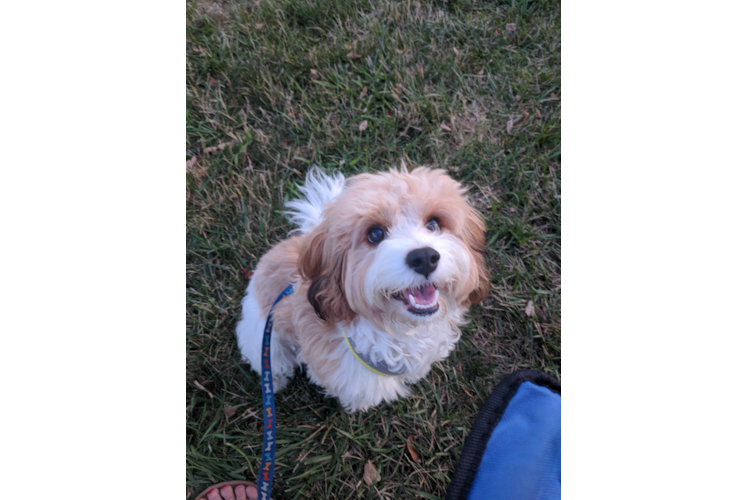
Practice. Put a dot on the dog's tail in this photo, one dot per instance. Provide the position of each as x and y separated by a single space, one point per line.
319 190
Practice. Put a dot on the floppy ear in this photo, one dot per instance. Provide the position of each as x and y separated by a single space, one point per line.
475 237
323 263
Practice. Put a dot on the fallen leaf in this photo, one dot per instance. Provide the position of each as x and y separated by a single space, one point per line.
537 113
363 125
511 27
199 386
444 126
363 93
213 149
412 450
370 473
192 161
530 309
401 51
553 95
213 82
496 31
389 113
229 411
457 52
352 55
259 26
420 69
245 273
348 46
509 125
315 74
480 72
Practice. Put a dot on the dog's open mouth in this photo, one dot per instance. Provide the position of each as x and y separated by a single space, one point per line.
421 301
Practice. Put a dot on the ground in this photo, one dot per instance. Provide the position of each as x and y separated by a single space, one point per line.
472 87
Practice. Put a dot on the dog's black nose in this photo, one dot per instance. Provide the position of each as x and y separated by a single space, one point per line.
423 260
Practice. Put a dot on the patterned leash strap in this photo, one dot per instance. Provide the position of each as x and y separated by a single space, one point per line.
267 462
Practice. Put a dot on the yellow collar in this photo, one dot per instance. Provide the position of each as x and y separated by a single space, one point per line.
379 368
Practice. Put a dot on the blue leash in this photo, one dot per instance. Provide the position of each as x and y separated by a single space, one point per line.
268 405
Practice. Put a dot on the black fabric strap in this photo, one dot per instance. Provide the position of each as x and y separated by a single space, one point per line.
488 418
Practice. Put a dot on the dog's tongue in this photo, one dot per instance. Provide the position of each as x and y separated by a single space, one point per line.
423 295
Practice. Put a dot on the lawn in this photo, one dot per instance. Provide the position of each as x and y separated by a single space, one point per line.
273 88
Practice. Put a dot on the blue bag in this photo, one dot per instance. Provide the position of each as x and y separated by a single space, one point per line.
514 448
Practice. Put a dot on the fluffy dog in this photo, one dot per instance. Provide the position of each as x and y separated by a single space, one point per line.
385 267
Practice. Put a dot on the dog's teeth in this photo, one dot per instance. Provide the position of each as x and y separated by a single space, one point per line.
412 300
436 297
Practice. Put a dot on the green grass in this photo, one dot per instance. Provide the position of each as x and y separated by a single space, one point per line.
271 90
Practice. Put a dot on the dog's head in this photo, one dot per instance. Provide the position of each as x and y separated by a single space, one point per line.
397 248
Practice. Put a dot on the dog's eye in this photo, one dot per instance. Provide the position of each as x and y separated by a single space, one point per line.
375 235
432 225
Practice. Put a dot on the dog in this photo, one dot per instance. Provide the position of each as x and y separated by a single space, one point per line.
386 265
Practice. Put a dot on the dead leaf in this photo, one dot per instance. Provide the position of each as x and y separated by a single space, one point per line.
553 95
401 51
509 125
192 161
363 125
229 411
213 82
363 93
259 26
420 69
511 27
199 386
468 393
412 450
496 31
219 147
537 113
348 46
444 126
352 55
530 309
245 273
370 473
232 102
315 74
389 113
457 52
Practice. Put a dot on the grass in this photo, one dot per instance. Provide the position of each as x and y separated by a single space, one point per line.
275 87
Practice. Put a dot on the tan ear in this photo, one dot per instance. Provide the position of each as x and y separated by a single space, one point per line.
323 263
475 237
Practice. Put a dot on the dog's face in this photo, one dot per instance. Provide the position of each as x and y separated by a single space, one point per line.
399 249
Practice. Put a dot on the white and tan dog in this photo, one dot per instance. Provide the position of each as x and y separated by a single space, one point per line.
386 267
